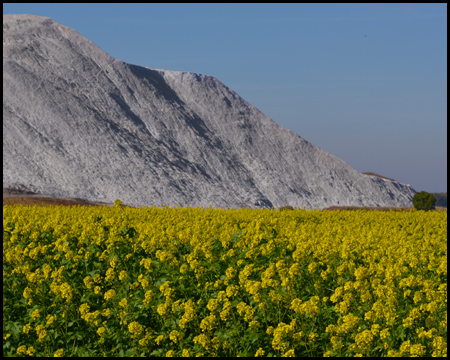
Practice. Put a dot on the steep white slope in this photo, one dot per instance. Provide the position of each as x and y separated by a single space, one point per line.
79 123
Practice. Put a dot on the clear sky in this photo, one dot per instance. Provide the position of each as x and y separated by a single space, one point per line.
365 82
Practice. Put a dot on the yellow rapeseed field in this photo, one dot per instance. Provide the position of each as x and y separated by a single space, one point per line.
120 281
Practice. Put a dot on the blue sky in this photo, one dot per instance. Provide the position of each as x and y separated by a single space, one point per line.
365 82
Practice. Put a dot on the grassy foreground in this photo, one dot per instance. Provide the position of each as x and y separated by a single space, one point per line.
114 281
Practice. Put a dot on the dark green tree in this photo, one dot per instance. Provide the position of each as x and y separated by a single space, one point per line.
424 201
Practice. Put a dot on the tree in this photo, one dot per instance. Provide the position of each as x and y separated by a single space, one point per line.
424 201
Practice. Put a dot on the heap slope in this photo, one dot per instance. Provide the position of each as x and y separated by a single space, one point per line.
79 123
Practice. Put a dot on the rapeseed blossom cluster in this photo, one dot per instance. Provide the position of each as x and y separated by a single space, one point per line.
119 281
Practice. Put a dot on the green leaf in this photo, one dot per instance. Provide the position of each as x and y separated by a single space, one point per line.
129 352
157 352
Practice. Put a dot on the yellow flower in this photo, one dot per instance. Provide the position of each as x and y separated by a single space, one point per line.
22 349
226 312
135 328
66 291
176 306
27 293
232 290
144 283
166 289
241 308
417 350
183 268
134 285
47 270
113 263
26 328
364 339
88 282
259 352
439 347
312 267
295 305
109 274
110 294
148 297
203 340
50 319
170 353
123 274
230 273
289 353
106 312
215 342
393 353
175 336
212 304
159 339
100 331
59 353
369 315
162 309
388 268
118 204
84 309
42 333
147 263
35 314
361 273
207 324
185 353
384 334
253 323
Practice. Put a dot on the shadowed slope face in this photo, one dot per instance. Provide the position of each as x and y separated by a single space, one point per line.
79 123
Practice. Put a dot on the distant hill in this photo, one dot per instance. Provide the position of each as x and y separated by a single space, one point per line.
441 199
78 123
